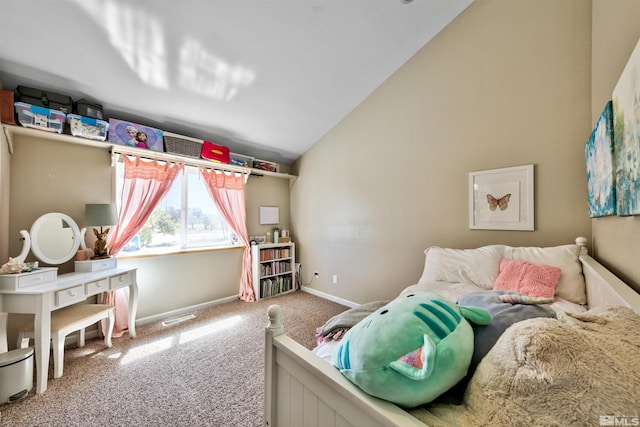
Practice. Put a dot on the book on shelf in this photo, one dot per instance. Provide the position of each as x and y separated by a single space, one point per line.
275 285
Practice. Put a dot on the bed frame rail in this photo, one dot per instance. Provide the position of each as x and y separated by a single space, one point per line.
604 288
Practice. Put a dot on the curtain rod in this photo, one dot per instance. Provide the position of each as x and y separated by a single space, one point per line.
156 155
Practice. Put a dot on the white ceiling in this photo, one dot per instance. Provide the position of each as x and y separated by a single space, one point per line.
268 78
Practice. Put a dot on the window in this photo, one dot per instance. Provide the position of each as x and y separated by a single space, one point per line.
186 218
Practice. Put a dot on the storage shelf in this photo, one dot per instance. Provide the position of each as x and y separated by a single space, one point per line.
281 256
277 274
14 130
265 261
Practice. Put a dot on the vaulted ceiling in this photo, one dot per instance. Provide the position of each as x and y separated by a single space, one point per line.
268 78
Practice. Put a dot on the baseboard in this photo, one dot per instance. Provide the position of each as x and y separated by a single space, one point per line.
181 311
329 297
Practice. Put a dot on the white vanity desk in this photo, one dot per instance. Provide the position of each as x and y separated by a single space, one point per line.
54 239
67 289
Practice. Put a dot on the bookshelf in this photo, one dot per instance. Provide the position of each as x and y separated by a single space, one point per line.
273 269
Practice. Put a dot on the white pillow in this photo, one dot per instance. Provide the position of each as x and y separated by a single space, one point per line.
478 267
571 285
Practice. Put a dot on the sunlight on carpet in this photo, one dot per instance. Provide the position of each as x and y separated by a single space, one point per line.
154 347
208 329
146 350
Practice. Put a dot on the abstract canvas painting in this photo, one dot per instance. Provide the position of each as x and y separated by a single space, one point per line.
600 173
626 136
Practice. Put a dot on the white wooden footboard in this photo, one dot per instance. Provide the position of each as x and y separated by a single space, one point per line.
303 390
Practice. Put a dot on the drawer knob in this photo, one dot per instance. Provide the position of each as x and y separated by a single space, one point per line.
72 294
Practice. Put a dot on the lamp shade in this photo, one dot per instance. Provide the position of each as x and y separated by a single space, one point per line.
99 214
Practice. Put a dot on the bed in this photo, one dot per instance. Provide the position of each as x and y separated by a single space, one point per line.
302 389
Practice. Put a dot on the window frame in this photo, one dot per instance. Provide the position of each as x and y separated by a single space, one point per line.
182 247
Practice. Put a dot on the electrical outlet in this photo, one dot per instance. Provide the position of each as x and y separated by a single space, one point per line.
335 279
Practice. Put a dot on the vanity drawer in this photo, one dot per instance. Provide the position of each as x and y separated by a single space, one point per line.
97 286
70 296
13 282
121 280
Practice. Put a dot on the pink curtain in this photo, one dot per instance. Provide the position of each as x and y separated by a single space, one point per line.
227 191
145 183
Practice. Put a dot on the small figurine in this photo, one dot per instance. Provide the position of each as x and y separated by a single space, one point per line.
100 250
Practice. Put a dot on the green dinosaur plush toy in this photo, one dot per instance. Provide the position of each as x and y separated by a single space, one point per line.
411 350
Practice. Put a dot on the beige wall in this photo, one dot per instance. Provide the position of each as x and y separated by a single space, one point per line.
54 176
506 84
615 34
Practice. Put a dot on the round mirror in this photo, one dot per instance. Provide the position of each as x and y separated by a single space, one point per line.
55 238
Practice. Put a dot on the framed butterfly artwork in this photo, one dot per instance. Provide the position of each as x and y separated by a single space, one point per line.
501 199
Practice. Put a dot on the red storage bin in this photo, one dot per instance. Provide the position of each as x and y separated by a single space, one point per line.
215 153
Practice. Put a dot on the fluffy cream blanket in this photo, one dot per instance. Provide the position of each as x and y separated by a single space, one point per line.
567 371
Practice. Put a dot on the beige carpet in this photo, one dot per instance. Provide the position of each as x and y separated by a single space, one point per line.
207 371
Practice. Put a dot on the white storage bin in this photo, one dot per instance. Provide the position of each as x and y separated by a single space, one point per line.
16 374
87 127
39 117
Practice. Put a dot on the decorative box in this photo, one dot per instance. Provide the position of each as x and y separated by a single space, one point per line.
87 127
135 135
40 117
215 153
240 160
182 145
265 165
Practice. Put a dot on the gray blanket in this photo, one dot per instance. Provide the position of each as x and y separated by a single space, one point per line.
340 323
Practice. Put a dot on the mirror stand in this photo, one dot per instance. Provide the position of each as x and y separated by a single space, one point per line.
26 247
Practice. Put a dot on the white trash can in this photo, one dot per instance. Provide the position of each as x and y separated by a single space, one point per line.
16 374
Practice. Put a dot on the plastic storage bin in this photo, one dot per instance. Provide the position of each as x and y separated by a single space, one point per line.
214 152
16 374
40 117
87 127
241 160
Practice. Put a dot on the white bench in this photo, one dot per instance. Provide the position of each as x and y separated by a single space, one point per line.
68 320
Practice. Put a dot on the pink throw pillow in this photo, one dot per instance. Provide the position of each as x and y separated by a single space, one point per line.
536 280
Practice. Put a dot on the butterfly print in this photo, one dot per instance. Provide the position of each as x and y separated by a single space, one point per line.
502 202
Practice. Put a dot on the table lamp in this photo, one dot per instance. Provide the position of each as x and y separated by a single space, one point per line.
100 215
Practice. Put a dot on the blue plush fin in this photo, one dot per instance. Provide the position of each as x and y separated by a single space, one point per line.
417 364
477 315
